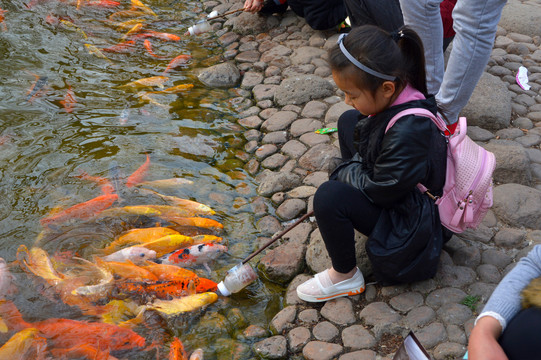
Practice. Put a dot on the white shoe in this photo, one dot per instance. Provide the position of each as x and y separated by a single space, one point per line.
320 287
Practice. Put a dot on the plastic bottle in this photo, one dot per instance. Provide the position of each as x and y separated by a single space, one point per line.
237 278
201 27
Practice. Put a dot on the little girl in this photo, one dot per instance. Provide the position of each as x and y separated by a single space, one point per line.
374 190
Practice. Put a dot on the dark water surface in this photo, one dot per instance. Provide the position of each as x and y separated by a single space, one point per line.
192 135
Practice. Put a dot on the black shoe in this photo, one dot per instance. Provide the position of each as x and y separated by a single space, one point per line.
270 7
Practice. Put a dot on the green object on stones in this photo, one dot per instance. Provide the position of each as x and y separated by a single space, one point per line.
326 130
471 301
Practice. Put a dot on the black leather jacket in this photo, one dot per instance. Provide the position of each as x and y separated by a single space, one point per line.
389 165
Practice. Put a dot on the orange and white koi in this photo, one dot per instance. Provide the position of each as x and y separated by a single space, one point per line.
84 210
4 26
37 261
167 244
148 46
122 48
177 61
200 254
167 183
69 100
137 254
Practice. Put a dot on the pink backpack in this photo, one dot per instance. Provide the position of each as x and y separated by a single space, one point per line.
467 193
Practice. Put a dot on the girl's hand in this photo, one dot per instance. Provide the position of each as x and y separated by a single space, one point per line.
483 343
253 5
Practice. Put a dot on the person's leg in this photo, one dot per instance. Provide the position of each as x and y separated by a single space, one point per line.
520 339
424 17
383 13
339 209
346 129
320 14
475 23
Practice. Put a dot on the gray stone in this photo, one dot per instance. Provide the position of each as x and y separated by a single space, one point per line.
522 18
483 290
419 317
339 311
455 276
251 79
314 109
431 335
283 319
482 233
518 205
534 155
305 54
265 150
356 337
254 332
268 225
529 140
360 355
512 164
319 350
253 122
252 134
264 91
291 297
297 338
509 134
489 106
275 137
316 178
452 313
303 126
335 111
381 317
478 134
274 347
496 257
469 256
299 233
308 316
278 181
449 350
425 286
319 157
279 121
406 301
248 23
223 75
456 334
443 296
325 331
291 208
313 139
274 161
283 263
509 237
294 149
489 273
301 89
297 70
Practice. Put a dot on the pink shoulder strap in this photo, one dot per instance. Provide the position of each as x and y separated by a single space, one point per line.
438 121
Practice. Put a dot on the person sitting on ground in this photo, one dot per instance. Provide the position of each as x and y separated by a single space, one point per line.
374 190
504 330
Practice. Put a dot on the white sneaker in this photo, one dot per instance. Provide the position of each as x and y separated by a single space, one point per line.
320 287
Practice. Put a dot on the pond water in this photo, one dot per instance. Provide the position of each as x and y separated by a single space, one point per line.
45 51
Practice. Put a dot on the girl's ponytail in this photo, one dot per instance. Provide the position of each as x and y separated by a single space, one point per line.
413 54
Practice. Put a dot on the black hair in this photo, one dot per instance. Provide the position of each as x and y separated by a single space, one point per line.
400 54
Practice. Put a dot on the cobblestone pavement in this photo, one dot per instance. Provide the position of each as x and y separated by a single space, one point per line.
286 92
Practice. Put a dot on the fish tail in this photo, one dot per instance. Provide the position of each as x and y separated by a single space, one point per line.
11 316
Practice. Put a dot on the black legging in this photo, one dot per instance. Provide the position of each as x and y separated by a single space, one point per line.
383 13
520 339
340 208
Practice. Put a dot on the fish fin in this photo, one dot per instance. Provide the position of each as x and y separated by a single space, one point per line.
206 266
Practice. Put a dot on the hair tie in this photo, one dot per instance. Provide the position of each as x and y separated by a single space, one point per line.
358 64
396 35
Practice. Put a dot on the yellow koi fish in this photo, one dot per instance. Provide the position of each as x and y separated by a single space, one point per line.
135 28
73 27
138 236
184 304
167 244
146 82
38 262
18 347
144 96
166 183
173 90
95 51
183 208
129 23
136 4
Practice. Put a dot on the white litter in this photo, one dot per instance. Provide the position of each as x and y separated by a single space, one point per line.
522 78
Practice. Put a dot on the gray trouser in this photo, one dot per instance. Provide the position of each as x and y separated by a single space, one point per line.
475 23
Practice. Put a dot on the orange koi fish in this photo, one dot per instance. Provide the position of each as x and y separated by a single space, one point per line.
36 88
172 90
176 350
168 272
146 82
69 100
148 46
176 62
129 23
4 26
157 35
139 174
137 4
106 186
200 222
127 270
188 206
84 210
184 304
166 289
66 333
82 351
121 48
135 29
21 345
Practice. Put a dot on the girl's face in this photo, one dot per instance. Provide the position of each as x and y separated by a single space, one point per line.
363 100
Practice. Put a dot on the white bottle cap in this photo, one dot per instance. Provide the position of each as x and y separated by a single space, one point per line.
223 290
212 14
191 30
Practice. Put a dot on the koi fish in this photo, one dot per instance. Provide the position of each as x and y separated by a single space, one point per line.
106 186
157 35
198 222
7 280
84 210
37 87
194 255
166 289
189 206
184 304
69 100
126 270
166 244
177 61
19 345
197 354
139 236
95 51
71 26
66 333
148 46
82 351
137 4
146 82
168 272
180 211
103 3
129 23
167 183
139 174
173 90
38 263
176 350
4 26
135 28
137 254
126 13
130 210
144 96
121 48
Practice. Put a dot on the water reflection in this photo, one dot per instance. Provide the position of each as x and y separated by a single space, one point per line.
190 135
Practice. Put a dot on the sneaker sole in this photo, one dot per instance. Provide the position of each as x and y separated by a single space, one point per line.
311 298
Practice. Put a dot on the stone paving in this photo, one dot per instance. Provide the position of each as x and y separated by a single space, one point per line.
286 92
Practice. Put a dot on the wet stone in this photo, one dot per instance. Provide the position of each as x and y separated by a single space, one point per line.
406 301
469 256
252 166
431 335
274 347
449 350
303 126
268 225
252 122
283 319
496 257
297 338
339 311
319 350
445 295
249 45
359 355
294 149
254 332
274 161
265 150
252 134
452 313
308 316
325 331
228 38
250 56
251 146
356 337
276 137
509 237
291 208
489 273
420 316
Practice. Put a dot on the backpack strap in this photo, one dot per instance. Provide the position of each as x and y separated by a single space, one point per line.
438 121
